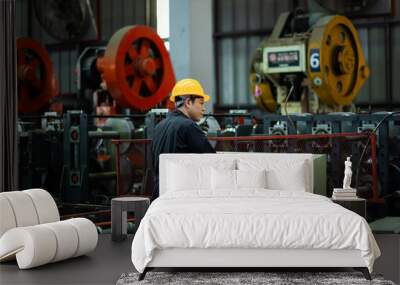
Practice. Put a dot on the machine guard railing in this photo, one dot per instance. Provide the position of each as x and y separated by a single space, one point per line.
336 146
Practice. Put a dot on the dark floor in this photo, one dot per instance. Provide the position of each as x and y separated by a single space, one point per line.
110 259
103 266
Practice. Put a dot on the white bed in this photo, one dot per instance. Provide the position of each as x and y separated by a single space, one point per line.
218 224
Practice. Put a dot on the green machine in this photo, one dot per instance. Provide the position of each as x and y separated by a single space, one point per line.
75 157
89 156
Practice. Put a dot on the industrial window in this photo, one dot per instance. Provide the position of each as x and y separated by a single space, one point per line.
163 21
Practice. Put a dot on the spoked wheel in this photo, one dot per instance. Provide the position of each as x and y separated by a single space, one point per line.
136 68
337 67
37 82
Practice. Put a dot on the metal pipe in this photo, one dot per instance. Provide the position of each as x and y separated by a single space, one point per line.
256 138
103 175
104 135
304 136
118 116
136 141
223 115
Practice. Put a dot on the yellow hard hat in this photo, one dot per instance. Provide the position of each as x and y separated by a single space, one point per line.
187 87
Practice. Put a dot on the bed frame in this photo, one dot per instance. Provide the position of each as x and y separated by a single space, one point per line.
242 258
256 258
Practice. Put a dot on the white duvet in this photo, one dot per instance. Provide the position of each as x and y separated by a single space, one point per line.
253 218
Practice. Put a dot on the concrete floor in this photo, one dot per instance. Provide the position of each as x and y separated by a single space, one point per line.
103 266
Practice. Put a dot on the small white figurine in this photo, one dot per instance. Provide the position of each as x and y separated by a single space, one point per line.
347 174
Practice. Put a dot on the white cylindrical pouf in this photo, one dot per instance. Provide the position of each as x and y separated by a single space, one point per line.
23 207
34 246
87 234
7 217
45 205
67 240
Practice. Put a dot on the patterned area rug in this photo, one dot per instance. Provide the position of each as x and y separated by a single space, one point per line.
225 278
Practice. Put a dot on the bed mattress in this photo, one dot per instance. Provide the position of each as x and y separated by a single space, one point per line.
250 219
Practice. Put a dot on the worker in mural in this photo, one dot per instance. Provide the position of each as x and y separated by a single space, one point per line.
179 133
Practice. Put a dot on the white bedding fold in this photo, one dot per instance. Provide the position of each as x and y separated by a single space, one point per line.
256 218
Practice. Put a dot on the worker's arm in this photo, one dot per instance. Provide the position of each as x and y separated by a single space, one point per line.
196 139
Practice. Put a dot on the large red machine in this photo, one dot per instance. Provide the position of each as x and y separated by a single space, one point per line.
133 71
37 83
136 68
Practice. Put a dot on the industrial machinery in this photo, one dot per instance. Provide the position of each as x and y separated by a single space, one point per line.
37 83
89 158
310 63
133 71
121 86
39 168
117 84
388 137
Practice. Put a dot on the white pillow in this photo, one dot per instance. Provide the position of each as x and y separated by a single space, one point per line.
251 178
282 174
184 175
223 179
293 180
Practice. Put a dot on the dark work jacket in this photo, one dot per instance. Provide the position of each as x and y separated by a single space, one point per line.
177 134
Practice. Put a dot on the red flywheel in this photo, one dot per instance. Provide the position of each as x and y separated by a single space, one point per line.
37 82
136 68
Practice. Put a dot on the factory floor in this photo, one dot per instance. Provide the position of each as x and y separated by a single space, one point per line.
103 266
